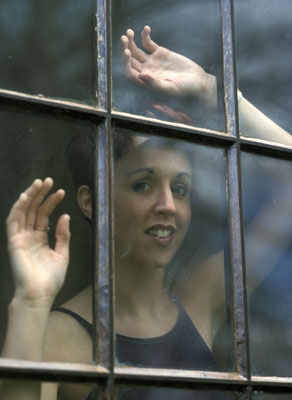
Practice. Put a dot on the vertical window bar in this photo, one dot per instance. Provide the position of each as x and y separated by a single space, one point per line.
105 321
234 197
237 262
104 327
228 66
101 53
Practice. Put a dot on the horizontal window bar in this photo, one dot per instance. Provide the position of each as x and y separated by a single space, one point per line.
264 147
158 122
50 371
26 100
271 381
174 130
175 375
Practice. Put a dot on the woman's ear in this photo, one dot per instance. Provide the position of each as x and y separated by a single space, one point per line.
85 201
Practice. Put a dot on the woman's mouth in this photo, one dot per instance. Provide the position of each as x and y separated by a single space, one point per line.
161 233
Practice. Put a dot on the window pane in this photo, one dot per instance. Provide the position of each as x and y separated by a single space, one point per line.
264 56
172 301
266 396
267 191
194 32
37 147
47 48
142 393
66 390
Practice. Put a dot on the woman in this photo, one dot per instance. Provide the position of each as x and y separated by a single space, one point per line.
160 198
153 179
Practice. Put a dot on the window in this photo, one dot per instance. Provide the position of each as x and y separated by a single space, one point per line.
62 82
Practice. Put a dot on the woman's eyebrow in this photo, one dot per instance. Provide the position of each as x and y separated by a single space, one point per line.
182 174
144 169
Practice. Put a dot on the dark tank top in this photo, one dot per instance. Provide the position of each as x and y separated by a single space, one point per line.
181 348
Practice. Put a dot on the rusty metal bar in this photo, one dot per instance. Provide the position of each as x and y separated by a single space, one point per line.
24 100
237 262
160 374
234 196
54 371
104 325
102 94
263 147
122 116
228 66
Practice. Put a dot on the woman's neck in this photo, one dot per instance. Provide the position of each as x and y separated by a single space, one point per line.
139 288
143 307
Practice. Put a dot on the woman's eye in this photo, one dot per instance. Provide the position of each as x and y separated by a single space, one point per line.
180 190
141 186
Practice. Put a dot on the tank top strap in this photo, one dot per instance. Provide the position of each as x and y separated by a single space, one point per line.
83 322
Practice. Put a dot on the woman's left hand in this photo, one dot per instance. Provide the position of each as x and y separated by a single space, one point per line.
166 71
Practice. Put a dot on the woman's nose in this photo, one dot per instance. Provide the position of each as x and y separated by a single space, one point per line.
165 202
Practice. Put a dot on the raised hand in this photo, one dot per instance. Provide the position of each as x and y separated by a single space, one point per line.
38 270
161 69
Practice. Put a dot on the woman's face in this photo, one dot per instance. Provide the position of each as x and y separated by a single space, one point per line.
152 204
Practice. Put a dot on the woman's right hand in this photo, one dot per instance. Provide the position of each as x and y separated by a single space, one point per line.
157 68
39 271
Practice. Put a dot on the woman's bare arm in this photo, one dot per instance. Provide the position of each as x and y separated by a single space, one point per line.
39 273
159 69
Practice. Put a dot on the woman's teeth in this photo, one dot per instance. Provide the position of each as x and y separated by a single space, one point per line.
161 233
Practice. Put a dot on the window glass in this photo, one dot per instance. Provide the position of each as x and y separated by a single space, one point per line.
267 396
267 191
264 57
170 232
159 393
47 48
39 147
179 92
66 390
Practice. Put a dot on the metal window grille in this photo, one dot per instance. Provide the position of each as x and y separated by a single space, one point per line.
104 372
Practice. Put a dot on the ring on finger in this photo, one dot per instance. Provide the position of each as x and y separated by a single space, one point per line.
41 229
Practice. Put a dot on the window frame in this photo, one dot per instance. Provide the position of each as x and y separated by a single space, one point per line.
104 371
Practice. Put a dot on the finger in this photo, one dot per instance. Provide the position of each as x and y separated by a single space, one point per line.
63 236
16 218
137 53
17 215
136 65
131 73
124 42
46 209
130 62
37 198
158 84
147 42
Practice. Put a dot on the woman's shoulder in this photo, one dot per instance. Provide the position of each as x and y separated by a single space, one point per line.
66 339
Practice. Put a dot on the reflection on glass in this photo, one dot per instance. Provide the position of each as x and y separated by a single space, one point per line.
164 84
169 234
143 393
34 268
267 193
47 48
264 56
